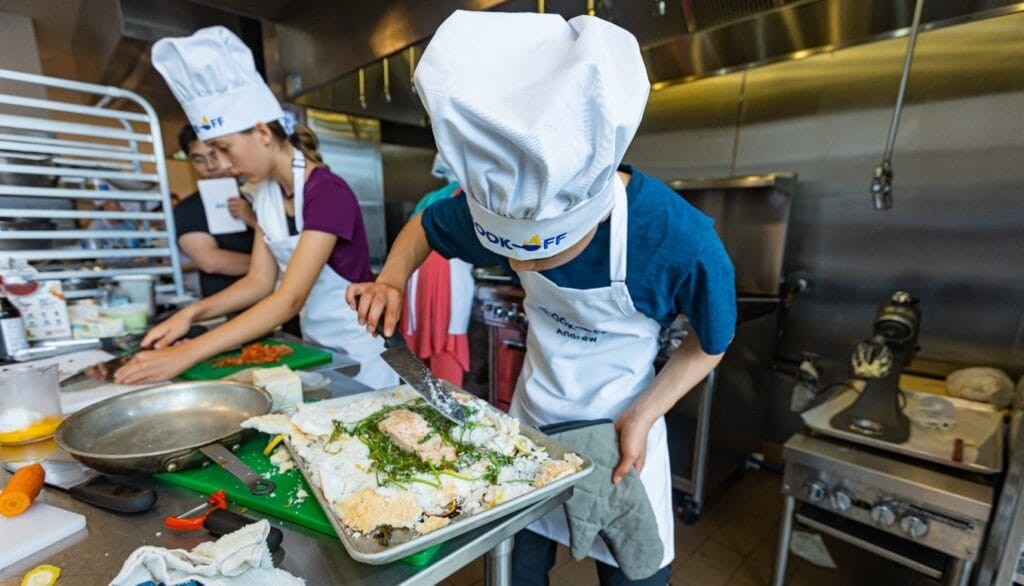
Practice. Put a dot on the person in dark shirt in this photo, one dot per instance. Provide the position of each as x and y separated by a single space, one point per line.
222 258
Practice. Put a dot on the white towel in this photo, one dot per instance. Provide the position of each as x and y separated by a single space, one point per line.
236 559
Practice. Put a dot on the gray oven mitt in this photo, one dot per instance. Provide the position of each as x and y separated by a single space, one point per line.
621 514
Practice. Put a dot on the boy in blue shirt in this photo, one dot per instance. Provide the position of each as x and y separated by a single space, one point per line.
534 115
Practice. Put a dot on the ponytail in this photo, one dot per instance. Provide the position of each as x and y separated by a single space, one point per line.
302 138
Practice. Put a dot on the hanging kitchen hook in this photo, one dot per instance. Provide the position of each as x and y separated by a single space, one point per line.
881 184
362 88
387 79
411 58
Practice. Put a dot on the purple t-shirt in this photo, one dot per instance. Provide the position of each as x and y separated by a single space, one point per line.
329 205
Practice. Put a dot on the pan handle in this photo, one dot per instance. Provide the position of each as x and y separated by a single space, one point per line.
239 469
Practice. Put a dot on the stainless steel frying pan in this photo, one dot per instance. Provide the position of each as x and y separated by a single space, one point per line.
167 428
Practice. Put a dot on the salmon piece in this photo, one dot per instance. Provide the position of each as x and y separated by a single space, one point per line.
408 430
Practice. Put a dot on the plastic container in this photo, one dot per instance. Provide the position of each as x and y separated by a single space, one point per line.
134 315
140 289
29 403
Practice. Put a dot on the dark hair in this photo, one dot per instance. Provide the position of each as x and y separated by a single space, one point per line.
186 137
303 139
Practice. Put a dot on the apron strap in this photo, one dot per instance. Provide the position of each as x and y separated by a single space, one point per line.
619 233
298 183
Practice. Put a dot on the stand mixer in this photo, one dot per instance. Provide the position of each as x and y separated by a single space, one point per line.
878 361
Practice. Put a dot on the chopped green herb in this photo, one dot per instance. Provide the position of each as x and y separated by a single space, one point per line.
395 466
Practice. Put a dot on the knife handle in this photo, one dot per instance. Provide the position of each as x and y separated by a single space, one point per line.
222 521
120 498
395 340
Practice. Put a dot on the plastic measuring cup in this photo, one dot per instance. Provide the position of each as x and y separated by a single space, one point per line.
29 403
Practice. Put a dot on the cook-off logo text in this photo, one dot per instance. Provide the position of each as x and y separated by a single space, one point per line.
534 243
209 124
571 330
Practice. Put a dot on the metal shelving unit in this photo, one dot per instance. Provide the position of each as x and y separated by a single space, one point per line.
95 152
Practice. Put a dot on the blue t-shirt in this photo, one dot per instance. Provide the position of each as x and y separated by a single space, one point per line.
675 262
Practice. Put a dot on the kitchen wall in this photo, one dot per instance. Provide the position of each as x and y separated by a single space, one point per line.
955 237
407 178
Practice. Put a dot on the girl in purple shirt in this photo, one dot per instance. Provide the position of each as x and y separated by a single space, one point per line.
310 243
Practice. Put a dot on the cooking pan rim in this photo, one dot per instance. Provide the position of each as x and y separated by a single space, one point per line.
58 435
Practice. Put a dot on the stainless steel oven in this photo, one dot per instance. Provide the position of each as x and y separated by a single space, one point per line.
717 426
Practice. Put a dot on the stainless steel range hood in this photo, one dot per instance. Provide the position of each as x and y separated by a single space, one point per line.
314 49
801 29
112 40
689 40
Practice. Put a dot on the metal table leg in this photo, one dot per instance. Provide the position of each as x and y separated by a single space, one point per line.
498 564
785 535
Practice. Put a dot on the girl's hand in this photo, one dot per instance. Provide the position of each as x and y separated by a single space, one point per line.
168 331
155 366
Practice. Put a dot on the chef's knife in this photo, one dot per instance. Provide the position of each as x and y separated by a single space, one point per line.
102 372
412 370
89 486
125 346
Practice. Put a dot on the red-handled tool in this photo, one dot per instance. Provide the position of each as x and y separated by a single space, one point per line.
183 522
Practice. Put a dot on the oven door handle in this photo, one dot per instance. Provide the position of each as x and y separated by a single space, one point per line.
513 344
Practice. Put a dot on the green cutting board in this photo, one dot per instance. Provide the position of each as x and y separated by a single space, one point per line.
302 357
281 503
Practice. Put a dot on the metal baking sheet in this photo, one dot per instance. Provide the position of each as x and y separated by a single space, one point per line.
978 424
405 542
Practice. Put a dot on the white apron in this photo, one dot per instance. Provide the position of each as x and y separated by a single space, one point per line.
325 318
589 354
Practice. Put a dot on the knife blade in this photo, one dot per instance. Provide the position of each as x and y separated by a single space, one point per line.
125 347
412 370
102 372
90 486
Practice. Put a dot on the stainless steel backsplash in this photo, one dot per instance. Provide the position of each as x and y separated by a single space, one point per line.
955 237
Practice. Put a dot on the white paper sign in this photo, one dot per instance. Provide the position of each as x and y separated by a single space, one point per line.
215 194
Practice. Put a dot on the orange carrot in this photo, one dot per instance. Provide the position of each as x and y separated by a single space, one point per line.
23 488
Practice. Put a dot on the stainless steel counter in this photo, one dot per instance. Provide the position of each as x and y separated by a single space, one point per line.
95 555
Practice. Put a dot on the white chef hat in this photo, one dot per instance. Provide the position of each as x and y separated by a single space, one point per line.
441 170
213 76
534 115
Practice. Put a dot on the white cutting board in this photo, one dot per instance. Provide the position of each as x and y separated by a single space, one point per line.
74 401
38 527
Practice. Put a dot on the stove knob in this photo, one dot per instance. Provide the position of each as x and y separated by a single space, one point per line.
915 527
499 312
883 515
521 318
841 500
815 490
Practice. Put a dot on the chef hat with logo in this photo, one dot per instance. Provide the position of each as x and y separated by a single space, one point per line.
534 115
214 78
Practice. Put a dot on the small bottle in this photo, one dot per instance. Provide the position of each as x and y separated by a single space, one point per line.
12 328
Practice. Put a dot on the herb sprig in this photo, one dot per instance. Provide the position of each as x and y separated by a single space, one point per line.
395 466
